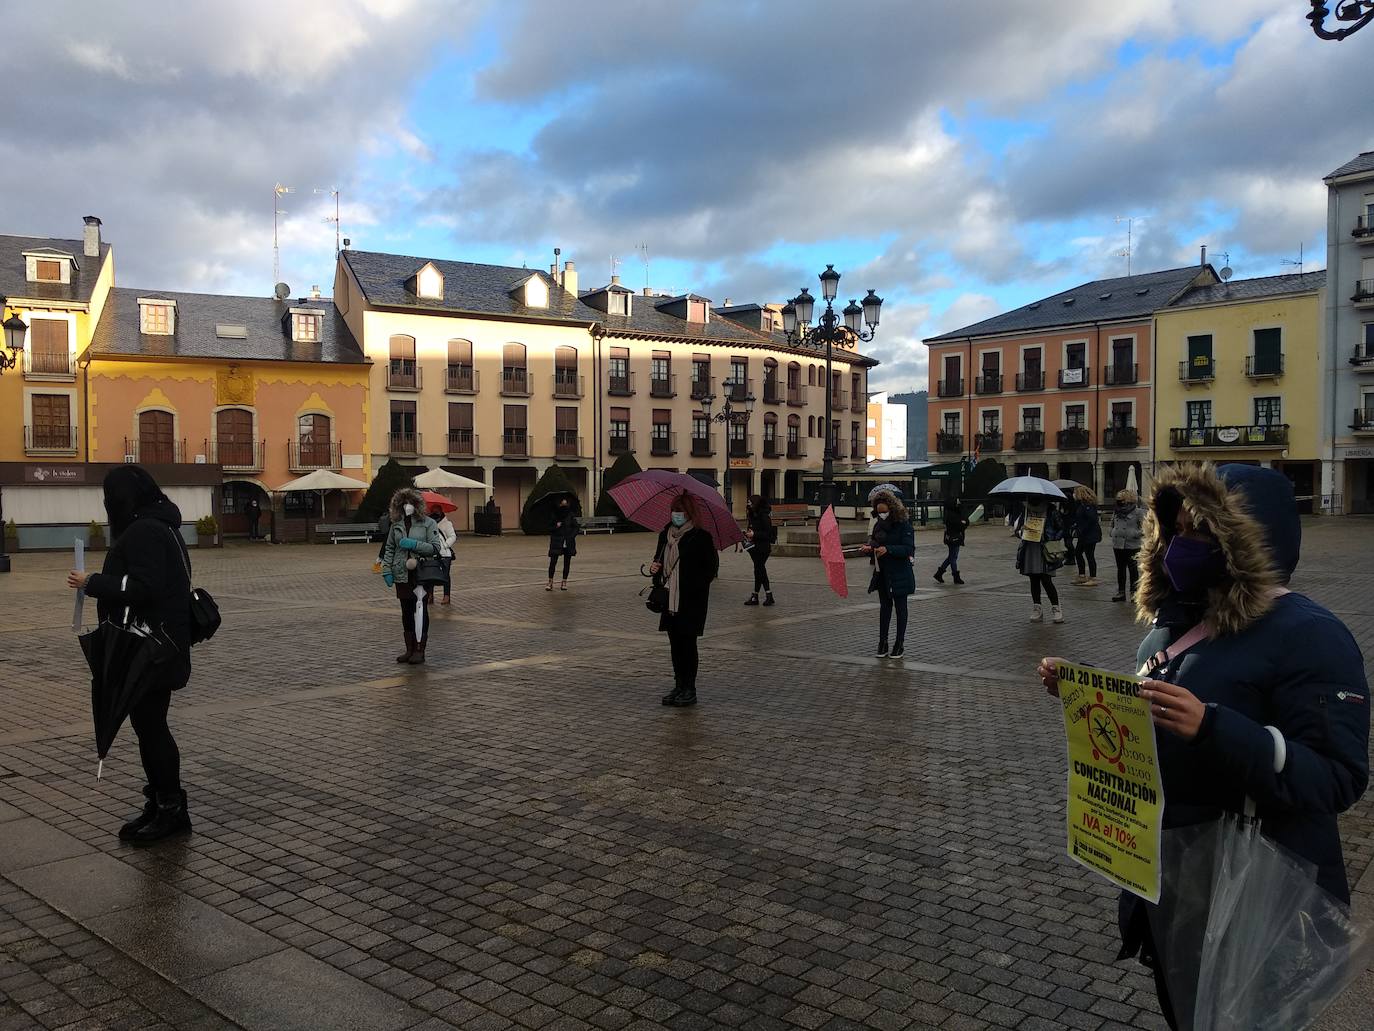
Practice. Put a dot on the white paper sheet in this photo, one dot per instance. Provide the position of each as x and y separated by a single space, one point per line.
79 564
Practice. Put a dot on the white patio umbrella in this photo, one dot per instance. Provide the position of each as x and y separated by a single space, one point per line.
1132 483
1028 487
321 480
442 479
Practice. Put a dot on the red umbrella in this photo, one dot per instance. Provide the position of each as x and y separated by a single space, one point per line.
433 500
832 554
647 498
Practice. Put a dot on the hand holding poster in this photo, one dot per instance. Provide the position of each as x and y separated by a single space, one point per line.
1033 529
1116 799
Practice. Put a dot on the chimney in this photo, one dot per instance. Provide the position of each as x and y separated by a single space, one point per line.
648 291
553 272
727 303
1204 254
91 236
615 280
570 277
315 294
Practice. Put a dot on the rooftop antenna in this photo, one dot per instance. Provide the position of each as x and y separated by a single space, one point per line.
277 192
615 266
1226 270
1290 262
332 191
643 250
1130 225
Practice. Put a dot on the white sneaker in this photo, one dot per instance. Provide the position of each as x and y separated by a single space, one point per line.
1057 614
1037 614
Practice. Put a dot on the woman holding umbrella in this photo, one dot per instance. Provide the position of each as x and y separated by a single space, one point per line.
685 563
148 571
892 545
562 539
1039 523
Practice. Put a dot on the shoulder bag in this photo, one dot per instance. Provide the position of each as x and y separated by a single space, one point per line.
204 612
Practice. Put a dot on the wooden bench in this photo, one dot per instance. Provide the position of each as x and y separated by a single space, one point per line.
345 532
784 514
600 524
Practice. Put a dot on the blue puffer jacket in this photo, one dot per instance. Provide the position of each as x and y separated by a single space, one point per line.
895 567
1281 662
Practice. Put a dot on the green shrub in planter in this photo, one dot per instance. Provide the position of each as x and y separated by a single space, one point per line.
207 529
95 535
11 531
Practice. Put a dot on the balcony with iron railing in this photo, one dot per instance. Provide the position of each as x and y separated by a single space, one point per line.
796 397
1264 366
568 385
49 365
1072 378
988 383
306 456
1364 293
1363 422
742 447
567 445
462 443
796 449
772 447
403 375
621 443
663 386
515 442
50 440
515 381
949 443
858 401
663 444
739 389
1026 381
1364 228
772 391
462 379
839 399
988 442
400 443
1185 437
621 385
1074 438
1029 440
856 449
149 452
239 456
701 386
1363 355
1120 375
1120 437
949 388
1197 370
703 447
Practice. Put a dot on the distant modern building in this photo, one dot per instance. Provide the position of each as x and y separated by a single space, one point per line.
1348 396
886 429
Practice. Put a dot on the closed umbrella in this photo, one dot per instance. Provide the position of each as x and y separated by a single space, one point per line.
647 498
832 553
1133 482
120 654
1028 487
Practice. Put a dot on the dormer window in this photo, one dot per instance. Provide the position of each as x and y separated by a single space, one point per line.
429 282
307 325
47 265
536 293
696 311
48 270
617 303
157 316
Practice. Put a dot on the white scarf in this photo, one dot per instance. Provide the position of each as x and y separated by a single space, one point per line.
670 561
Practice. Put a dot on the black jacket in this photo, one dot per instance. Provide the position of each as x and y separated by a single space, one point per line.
698 565
147 569
955 525
761 522
563 535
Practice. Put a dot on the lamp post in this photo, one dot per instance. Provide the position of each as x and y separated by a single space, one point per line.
727 416
860 323
1358 12
14 346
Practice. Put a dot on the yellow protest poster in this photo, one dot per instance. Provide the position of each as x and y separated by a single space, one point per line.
1116 799
1033 529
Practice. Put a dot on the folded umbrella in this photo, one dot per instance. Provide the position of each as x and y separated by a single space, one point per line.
121 655
647 499
832 553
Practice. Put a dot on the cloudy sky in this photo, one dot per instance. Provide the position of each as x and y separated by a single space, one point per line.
960 158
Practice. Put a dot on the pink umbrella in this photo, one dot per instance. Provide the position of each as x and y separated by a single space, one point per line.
647 498
832 554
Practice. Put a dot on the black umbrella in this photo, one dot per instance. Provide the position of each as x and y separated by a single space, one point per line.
549 501
120 654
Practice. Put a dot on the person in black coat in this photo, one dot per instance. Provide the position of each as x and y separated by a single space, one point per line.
148 570
254 515
685 562
761 536
956 524
562 540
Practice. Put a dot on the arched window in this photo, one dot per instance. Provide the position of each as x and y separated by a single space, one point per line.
770 433
565 382
315 441
401 371
514 375
156 444
793 433
810 425
810 375
462 377
235 447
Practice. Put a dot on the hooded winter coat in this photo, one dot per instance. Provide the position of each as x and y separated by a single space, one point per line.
147 569
894 533
421 529
1276 666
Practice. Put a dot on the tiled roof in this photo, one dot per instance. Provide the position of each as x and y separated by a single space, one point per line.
1102 300
198 316
1363 163
1252 289
84 274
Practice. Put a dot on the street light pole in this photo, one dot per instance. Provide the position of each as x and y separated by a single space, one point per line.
860 323
14 328
726 417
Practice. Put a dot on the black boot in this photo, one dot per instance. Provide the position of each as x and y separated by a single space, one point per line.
410 649
768 599
685 697
940 575
958 579
127 832
753 599
417 657
171 818
671 696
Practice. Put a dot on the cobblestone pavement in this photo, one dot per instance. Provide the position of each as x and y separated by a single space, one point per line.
519 836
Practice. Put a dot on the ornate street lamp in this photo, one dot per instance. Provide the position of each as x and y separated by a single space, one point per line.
728 416
860 323
1359 12
14 346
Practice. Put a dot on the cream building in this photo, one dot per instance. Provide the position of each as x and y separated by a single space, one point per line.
497 373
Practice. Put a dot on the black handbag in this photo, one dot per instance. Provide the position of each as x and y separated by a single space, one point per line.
429 571
201 608
658 597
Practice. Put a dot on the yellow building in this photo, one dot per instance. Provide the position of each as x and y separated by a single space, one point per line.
58 288
1239 368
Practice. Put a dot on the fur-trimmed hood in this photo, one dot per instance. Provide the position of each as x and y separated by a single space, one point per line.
1252 514
406 496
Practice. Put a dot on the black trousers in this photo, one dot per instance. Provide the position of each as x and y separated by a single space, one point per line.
1126 568
1039 580
760 554
1087 556
951 561
448 575
405 594
156 746
682 643
887 603
567 564
253 527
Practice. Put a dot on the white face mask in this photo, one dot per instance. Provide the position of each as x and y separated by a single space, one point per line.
408 509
